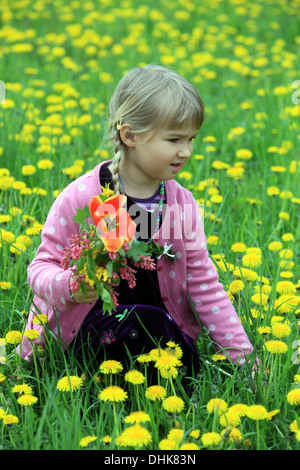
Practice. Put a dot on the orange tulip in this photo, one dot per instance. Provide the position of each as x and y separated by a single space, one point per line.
112 220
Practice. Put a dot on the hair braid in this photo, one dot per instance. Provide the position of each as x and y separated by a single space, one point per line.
119 151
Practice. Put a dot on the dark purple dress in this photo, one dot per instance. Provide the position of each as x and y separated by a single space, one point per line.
140 322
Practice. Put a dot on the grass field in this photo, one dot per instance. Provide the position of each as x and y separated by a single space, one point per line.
59 64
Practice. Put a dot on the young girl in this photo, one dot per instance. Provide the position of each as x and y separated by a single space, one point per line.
154 116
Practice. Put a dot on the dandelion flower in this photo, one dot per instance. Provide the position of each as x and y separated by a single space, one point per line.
32 334
276 347
167 361
2 377
10 419
218 357
256 412
195 433
230 418
234 435
85 441
293 397
285 287
27 400
175 435
189 446
209 439
173 404
134 436
40 319
22 388
155 392
113 393
167 444
71 383
167 373
236 286
216 404
271 414
280 330
260 299
13 337
294 426
137 417
106 439
135 377
252 260
239 247
238 408
111 367
275 246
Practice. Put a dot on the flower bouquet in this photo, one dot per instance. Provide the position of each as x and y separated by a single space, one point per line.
105 251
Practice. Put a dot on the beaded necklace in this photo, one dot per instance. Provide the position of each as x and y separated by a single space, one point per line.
160 202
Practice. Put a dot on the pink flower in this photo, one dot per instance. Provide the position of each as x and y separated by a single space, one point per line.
128 274
146 262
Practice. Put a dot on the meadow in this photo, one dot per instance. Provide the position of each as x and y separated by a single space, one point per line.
59 64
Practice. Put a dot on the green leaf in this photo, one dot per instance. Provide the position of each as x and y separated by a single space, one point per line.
81 215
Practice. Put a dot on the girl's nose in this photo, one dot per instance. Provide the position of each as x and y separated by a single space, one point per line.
186 150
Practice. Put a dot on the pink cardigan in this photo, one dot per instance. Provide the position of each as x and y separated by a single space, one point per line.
192 272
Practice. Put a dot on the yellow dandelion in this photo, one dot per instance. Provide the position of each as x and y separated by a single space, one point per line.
238 408
236 286
175 435
69 383
40 319
276 347
239 247
22 388
275 246
167 444
137 417
256 412
13 337
155 392
210 439
189 446
293 397
134 436
173 404
27 400
230 418
32 334
285 287
218 357
113 393
135 377
252 260
167 361
85 441
260 298
280 330
271 414
10 419
111 367
216 405
195 433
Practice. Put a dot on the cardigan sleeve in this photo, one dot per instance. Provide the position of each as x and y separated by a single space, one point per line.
210 300
46 278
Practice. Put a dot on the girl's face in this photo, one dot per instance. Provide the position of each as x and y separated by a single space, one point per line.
150 160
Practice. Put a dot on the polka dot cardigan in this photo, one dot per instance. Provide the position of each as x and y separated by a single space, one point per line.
190 277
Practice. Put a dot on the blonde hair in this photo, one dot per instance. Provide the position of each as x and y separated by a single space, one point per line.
148 99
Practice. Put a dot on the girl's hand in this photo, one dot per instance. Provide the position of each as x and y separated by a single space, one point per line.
81 298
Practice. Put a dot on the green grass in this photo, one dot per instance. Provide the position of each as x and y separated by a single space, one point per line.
243 57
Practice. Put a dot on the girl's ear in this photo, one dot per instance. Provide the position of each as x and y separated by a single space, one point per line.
127 135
